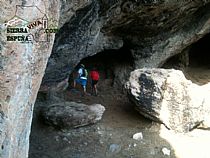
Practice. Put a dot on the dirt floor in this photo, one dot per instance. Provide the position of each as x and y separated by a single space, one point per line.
112 136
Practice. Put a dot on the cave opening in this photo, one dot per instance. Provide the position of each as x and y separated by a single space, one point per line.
193 61
113 65
199 54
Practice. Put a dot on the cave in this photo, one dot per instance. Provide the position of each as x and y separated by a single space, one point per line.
93 32
109 63
199 55
193 61
114 66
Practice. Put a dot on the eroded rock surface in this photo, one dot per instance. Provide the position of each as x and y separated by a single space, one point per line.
166 96
22 67
153 30
67 115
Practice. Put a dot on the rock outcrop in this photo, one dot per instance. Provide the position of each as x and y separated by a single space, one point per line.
68 115
166 96
24 52
153 30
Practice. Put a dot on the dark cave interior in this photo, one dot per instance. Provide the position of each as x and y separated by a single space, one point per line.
199 54
106 62
196 55
194 61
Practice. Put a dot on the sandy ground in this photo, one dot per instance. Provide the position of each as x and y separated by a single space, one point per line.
112 136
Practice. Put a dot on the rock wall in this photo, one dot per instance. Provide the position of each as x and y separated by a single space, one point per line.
153 30
22 66
78 38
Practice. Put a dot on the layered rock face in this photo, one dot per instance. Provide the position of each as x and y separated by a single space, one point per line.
152 30
24 52
166 96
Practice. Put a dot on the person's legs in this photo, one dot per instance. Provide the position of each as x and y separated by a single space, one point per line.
94 86
95 89
84 83
77 80
74 85
84 89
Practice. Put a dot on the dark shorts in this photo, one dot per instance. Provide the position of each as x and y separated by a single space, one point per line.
94 82
80 81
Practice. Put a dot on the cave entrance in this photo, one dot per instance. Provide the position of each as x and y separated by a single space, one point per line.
114 66
194 61
120 114
199 54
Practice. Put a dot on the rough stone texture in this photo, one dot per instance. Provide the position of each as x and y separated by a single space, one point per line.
67 115
78 38
166 96
153 30
22 67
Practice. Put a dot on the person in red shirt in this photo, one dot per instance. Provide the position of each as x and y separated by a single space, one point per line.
94 80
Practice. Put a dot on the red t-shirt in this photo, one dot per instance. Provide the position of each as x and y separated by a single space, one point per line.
94 75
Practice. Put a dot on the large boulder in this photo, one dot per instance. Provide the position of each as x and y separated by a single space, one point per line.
166 96
67 115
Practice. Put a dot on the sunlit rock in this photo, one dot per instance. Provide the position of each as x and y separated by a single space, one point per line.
166 96
138 136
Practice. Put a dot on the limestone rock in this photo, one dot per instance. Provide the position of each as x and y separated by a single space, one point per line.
153 30
114 148
72 115
166 151
22 66
166 96
138 136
